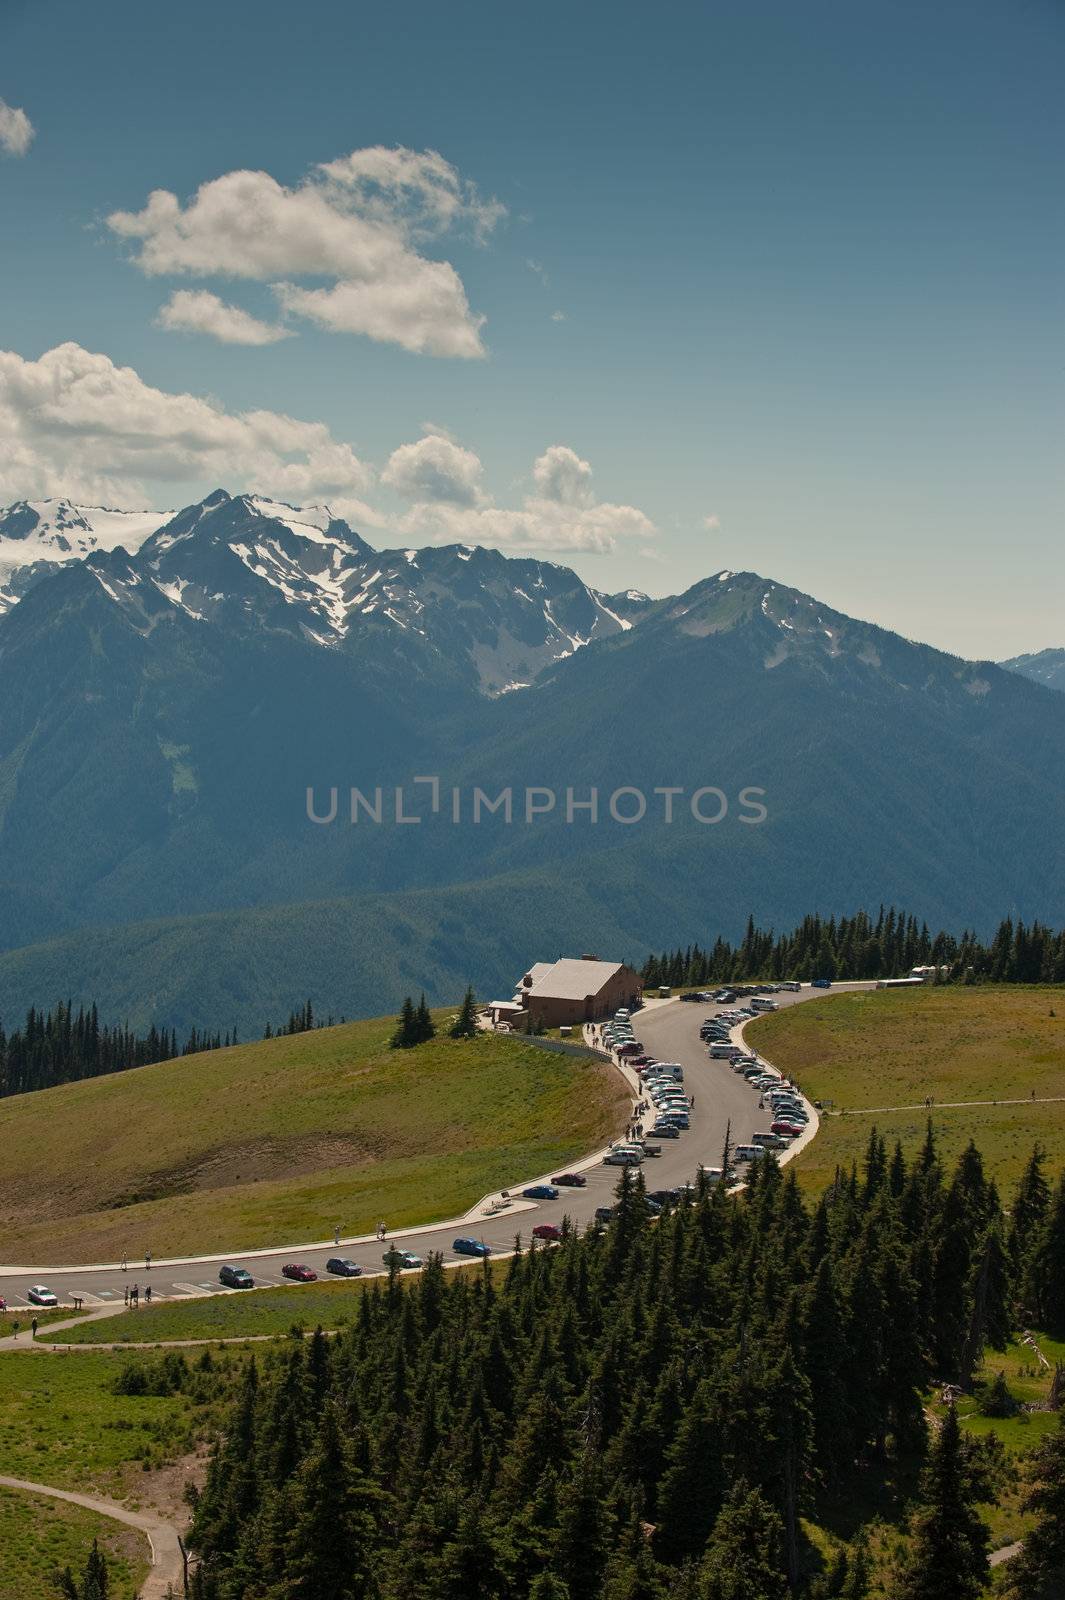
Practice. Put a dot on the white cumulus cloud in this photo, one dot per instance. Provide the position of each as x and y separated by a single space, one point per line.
199 311
73 423
16 130
712 522
561 514
435 470
560 474
357 221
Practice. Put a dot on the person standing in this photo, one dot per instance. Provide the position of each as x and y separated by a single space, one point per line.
33 1327
123 1261
336 1234
148 1295
147 1261
125 1295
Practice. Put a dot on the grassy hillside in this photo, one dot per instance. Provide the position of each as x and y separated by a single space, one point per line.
277 1141
883 1049
39 1535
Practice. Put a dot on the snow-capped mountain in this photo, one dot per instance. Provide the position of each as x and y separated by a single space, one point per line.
245 561
1042 666
39 536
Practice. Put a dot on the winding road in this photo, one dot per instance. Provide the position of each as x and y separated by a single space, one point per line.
669 1030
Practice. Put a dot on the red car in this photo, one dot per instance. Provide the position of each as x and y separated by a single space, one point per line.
570 1180
301 1274
546 1230
789 1130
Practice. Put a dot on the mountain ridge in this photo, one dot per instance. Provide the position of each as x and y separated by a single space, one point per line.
170 709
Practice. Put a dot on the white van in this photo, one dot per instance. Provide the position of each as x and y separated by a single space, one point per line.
722 1052
748 1152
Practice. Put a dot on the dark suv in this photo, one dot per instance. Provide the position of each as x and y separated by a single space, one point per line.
341 1267
236 1278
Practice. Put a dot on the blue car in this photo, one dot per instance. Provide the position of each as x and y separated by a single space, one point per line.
820 983
540 1191
471 1247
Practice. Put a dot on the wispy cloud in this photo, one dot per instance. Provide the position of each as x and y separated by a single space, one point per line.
199 311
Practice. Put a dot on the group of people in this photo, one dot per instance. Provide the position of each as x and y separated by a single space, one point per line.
132 1295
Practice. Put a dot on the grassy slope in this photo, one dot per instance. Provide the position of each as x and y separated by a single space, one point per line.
893 1048
38 1535
276 1141
61 1424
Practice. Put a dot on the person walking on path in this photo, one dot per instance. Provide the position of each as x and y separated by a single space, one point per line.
336 1234
148 1295
33 1327
134 1294
147 1261
123 1261
381 1229
125 1296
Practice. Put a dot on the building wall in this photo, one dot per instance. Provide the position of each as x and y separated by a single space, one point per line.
622 989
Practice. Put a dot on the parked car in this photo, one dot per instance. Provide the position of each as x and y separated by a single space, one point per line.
770 1141
547 1230
787 1130
665 1197
571 1180
791 986
471 1247
236 1277
603 1213
299 1273
341 1267
39 1295
622 1158
400 1258
540 1191
665 1130
820 983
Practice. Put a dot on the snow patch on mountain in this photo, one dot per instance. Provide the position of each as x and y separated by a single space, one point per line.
39 536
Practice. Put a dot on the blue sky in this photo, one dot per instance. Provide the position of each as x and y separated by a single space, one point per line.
795 273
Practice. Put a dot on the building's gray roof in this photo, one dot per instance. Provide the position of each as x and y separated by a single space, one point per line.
538 970
572 979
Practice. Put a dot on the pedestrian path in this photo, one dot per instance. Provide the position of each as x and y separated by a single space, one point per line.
947 1105
168 1563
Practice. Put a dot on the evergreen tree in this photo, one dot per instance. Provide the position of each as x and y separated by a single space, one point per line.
465 1024
745 1558
424 1026
1046 1271
406 1033
329 1555
948 1555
